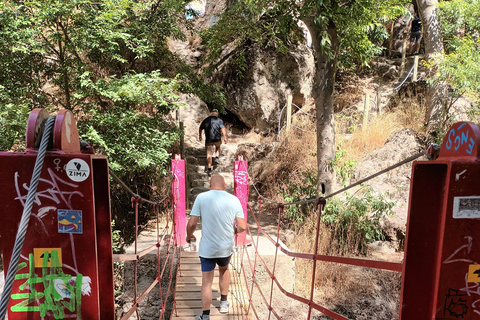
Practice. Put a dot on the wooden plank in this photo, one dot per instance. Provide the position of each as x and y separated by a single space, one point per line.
195 273
197 304
183 287
189 260
198 280
188 292
189 254
181 296
213 311
219 317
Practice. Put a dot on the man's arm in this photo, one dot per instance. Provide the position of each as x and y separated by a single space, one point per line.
241 225
224 134
191 227
200 134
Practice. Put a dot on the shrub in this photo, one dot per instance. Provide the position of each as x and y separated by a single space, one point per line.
355 221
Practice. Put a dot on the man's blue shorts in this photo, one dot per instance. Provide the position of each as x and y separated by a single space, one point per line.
208 264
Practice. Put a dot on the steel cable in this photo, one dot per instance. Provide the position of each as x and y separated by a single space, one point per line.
27 210
398 164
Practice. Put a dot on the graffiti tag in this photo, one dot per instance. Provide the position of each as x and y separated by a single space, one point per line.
61 291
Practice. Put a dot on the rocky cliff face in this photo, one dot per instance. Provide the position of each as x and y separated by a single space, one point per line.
258 97
258 94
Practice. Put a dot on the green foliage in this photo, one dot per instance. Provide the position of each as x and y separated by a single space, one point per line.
108 62
274 24
134 142
13 123
355 222
116 239
460 21
306 188
342 166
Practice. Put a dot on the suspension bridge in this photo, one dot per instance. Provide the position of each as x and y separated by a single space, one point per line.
58 262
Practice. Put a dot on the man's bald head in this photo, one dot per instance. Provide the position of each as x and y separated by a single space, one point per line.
217 183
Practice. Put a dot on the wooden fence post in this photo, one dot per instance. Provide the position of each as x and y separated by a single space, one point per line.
378 100
289 114
404 53
182 141
415 69
391 40
366 106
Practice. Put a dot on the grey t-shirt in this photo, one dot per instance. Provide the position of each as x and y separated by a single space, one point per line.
218 210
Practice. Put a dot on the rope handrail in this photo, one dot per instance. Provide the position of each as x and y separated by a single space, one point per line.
173 250
24 222
133 194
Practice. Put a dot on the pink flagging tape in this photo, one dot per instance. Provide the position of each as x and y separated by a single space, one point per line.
241 191
179 200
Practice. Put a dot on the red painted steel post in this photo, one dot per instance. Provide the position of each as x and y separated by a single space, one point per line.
67 254
441 275
241 192
319 205
178 191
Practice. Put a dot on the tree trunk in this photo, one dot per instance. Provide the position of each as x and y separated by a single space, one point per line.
324 82
436 98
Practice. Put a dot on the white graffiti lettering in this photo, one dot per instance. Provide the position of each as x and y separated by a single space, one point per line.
52 191
467 246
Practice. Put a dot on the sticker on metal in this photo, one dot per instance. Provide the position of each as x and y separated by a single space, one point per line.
70 221
466 207
473 273
77 170
45 256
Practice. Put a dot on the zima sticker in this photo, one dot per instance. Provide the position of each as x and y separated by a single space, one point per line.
77 170
70 221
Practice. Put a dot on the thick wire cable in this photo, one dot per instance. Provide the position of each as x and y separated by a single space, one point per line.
398 164
401 84
27 210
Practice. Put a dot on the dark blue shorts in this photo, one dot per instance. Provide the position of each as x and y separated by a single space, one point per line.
208 264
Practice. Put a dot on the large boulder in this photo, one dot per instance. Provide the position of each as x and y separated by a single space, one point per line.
400 145
258 95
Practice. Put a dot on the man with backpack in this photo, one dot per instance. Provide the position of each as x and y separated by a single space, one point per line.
214 131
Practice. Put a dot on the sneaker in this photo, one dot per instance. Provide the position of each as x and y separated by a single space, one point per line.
209 172
202 317
217 161
224 306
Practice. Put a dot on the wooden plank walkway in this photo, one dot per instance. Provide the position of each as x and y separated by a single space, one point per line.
189 283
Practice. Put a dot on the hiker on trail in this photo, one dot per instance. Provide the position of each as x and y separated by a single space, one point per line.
218 210
415 30
214 130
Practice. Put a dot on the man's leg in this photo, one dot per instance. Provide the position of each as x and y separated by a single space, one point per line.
217 151
207 280
209 148
410 48
418 46
224 281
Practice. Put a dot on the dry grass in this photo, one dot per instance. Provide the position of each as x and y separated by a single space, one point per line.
367 139
292 156
358 293
411 115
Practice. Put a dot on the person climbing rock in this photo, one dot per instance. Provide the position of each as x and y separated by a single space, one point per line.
214 131
415 30
218 210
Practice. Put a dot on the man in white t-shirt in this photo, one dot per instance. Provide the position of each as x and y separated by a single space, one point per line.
218 210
